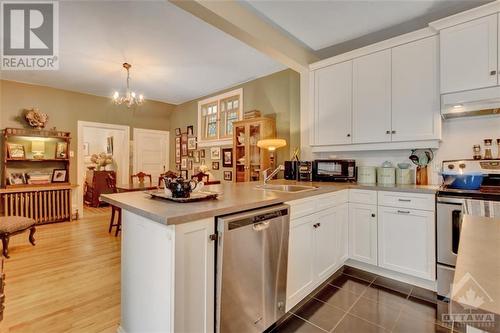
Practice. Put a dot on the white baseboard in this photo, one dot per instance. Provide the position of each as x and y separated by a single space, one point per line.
426 284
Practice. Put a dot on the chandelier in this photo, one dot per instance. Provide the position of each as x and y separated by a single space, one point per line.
130 98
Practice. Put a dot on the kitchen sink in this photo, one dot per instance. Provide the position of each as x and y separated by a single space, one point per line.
286 188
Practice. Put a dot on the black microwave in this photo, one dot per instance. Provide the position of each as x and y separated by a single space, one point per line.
333 170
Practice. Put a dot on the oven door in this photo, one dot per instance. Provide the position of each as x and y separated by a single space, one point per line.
449 223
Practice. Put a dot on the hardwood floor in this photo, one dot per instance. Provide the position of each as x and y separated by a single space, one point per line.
68 282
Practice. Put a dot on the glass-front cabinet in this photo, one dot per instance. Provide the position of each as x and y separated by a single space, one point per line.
249 160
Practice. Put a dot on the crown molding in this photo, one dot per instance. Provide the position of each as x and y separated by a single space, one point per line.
468 15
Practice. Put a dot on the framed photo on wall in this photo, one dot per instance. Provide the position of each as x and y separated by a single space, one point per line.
184 144
202 153
227 157
215 165
215 153
228 175
184 163
59 176
178 150
190 130
196 156
184 174
192 143
190 164
177 132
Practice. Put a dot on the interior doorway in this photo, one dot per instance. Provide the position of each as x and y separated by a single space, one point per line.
151 152
95 138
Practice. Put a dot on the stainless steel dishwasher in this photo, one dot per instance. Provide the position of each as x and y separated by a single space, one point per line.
252 256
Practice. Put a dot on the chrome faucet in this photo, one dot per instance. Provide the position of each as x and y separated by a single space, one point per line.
268 178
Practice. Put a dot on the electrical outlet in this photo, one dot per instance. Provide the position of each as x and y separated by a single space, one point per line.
71 153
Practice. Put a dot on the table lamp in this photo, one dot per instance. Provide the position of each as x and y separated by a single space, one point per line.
38 149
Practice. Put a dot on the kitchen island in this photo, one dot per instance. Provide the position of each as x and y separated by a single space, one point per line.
168 249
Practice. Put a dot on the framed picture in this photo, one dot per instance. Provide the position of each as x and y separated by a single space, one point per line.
196 156
177 132
202 153
184 162
184 174
190 130
59 175
215 153
184 144
215 165
192 143
17 178
228 175
227 157
86 151
178 150
190 164
16 150
62 150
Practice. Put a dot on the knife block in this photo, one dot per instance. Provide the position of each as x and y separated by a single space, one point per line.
422 176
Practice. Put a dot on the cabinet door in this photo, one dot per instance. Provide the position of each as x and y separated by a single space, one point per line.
415 92
371 117
300 275
194 276
363 233
326 247
406 241
469 55
343 232
333 104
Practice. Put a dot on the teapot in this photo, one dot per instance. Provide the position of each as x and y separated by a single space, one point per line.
180 187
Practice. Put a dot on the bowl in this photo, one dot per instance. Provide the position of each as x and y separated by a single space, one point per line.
404 165
463 181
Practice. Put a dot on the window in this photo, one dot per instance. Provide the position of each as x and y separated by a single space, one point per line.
216 116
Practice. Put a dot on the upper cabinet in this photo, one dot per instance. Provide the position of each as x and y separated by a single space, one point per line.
469 55
333 102
415 91
371 112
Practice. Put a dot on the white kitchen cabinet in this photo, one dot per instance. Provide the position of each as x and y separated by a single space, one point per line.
328 226
415 91
406 241
469 55
363 233
300 274
342 236
333 104
371 112
194 276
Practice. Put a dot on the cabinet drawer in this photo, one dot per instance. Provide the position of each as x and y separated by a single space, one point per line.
407 200
301 207
328 200
368 197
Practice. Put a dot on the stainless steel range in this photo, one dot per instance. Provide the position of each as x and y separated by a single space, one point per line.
450 206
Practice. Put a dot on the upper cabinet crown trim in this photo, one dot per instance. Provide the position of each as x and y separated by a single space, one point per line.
373 48
469 15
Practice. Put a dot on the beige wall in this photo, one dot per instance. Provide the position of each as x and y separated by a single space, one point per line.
276 95
65 108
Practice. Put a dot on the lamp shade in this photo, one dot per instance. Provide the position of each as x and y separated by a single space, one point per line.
38 146
271 144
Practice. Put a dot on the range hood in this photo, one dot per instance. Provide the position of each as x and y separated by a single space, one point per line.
480 102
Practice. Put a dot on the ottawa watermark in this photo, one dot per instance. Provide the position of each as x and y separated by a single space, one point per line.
30 35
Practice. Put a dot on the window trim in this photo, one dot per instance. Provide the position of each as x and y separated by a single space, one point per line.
217 98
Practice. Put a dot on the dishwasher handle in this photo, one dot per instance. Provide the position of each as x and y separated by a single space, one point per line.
260 226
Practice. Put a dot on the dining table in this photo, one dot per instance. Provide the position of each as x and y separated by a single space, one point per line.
133 187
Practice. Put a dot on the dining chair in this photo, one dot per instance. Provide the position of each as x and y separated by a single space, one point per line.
141 176
111 181
168 174
201 177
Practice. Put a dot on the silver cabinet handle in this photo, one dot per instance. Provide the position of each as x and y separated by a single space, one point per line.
403 212
493 72
404 200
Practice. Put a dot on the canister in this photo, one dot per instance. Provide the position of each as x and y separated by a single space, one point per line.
367 175
404 176
386 176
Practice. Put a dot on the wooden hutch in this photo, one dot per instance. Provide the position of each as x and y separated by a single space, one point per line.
35 175
249 160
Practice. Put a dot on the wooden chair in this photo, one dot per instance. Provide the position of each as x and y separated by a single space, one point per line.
13 225
141 177
201 177
169 174
111 180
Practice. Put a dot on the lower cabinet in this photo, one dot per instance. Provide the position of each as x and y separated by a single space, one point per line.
406 241
317 248
363 233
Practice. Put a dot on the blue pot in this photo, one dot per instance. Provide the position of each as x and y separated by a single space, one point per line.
463 181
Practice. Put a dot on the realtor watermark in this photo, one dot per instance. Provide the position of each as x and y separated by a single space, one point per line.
30 35
466 309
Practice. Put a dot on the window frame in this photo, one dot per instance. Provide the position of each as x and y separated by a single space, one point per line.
212 100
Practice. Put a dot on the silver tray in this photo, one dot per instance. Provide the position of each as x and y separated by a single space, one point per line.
195 196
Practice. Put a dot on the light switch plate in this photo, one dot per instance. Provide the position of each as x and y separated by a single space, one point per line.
71 153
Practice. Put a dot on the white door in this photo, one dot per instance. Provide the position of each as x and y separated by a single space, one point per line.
371 116
300 274
363 233
469 55
406 241
343 232
325 243
194 276
151 153
333 104
415 92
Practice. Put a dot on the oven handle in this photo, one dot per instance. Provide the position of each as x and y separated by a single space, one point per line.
449 200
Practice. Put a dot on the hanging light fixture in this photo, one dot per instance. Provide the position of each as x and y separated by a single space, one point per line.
130 98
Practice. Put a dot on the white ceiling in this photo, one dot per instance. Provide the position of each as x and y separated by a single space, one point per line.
176 57
324 23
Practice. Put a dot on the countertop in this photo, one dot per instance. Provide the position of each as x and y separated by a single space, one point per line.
478 262
235 197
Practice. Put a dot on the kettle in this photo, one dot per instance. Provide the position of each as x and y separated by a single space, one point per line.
180 187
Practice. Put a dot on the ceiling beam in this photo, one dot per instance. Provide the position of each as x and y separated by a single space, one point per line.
242 23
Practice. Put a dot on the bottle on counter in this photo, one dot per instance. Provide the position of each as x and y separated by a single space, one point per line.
488 155
477 152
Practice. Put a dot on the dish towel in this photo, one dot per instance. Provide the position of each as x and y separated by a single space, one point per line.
481 208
